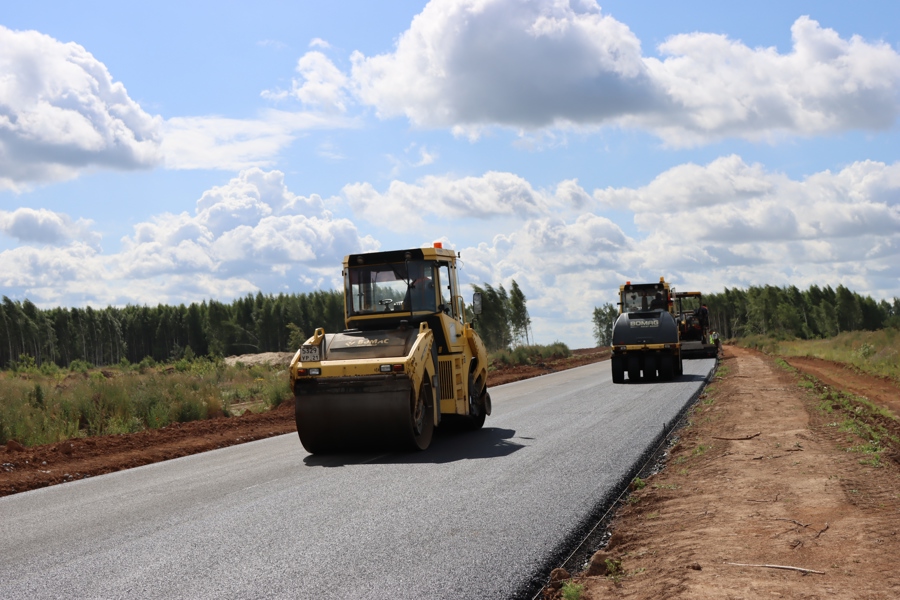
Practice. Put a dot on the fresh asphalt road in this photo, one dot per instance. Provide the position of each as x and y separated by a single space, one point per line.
477 515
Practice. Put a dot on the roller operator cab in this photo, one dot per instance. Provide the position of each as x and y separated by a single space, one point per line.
645 342
406 363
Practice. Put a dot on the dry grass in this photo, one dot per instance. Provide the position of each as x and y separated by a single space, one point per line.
872 352
51 405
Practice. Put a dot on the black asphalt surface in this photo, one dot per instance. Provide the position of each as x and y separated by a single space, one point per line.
478 515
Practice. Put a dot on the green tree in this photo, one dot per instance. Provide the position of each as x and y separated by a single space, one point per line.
847 310
296 337
518 314
604 318
493 325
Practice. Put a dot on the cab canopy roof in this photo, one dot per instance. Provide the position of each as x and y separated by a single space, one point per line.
398 256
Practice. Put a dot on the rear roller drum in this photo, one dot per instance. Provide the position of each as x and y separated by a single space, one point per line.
345 416
315 439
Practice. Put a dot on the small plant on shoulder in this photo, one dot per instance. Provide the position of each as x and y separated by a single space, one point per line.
572 591
783 364
637 484
864 351
665 486
614 570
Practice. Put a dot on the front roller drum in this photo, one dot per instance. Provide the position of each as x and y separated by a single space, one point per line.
347 415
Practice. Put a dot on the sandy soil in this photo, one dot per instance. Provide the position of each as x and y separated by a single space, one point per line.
759 499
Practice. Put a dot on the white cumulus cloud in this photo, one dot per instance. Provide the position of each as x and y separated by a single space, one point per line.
42 226
495 194
249 234
61 112
252 227
532 65
719 87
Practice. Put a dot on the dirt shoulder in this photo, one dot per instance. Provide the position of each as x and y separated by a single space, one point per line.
23 469
760 498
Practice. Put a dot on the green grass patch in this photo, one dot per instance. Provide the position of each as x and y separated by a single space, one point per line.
871 430
700 450
571 590
530 355
43 407
872 352
665 486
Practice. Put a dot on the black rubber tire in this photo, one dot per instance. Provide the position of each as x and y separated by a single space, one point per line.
618 369
651 365
484 401
634 368
421 418
667 367
475 422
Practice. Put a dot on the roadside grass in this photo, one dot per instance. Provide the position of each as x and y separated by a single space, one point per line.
572 591
872 352
534 354
870 429
47 405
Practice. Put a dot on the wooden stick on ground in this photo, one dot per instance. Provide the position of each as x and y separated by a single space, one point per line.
797 522
752 500
801 569
749 437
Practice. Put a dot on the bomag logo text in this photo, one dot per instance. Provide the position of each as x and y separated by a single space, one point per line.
367 342
644 323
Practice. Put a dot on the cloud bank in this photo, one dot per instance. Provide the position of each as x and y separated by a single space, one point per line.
726 223
463 65
529 64
251 233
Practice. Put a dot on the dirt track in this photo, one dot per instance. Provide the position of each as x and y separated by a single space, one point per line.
759 499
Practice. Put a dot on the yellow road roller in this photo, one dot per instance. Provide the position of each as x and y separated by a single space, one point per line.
407 362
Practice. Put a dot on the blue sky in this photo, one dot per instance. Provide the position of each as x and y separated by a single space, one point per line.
202 150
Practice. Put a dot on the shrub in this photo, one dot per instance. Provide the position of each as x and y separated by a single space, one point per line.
79 366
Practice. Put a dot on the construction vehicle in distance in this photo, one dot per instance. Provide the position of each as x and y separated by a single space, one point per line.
693 326
645 338
407 361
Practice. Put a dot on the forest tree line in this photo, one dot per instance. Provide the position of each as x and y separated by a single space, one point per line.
248 325
780 312
787 313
